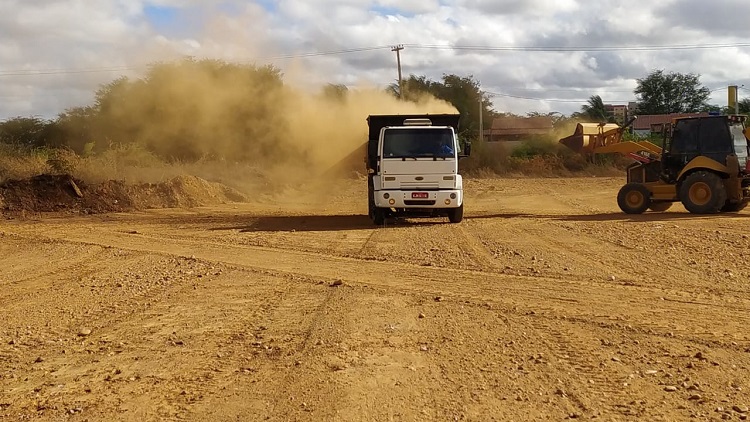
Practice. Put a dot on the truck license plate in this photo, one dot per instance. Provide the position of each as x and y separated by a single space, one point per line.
420 195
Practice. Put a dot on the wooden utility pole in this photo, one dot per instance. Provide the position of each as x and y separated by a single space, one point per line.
398 49
481 116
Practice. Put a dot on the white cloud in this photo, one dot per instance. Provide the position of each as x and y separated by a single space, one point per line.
40 38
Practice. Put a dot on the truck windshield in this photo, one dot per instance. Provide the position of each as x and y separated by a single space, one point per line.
418 142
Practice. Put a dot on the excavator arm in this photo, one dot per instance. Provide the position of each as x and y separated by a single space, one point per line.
602 138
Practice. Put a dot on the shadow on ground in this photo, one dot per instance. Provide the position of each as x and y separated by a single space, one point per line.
320 223
612 216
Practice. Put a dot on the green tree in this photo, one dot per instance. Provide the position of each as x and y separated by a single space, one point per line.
74 128
335 91
594 111
664 93
464 93
557 118
26 131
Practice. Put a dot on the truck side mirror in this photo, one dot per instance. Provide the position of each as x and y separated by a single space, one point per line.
467 149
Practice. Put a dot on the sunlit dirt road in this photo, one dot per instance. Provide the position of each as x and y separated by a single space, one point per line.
545 303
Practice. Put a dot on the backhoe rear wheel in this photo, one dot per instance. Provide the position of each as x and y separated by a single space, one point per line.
734 207
634 198
703 192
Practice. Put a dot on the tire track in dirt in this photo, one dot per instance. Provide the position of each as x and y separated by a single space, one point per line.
538 293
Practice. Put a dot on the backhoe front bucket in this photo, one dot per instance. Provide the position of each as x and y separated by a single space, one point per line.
589 136
574 142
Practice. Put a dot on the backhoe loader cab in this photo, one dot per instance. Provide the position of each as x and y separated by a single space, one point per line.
714 137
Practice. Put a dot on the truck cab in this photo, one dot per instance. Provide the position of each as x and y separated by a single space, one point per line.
413 167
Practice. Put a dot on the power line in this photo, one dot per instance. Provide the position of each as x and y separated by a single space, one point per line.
39 72
63 71
576 49
556 100
325 53
42 72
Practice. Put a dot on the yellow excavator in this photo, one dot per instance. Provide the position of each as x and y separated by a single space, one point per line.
703 163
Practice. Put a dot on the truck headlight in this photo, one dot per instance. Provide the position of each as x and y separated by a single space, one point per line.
453 196
386 195
447 202
392 201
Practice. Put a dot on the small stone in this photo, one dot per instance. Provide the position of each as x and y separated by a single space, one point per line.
438 298
695 397
670 388
611 278
615 359
421 315
83 332
650 372
39 359
337 283
424 348
740 409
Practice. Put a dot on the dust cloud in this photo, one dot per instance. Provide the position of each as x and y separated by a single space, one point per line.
333 131
236 115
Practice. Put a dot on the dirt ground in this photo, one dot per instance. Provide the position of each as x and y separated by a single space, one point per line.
545 303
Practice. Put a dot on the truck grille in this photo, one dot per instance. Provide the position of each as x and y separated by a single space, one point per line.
420 185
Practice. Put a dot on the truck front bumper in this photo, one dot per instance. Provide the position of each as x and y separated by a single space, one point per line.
418 199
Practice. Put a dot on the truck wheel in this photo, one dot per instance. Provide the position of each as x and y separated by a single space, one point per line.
703 192
660 206
634 198
455 215
378 216
734 207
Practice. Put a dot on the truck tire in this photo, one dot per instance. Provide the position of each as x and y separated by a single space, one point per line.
703 192
455 215
378 216
634 198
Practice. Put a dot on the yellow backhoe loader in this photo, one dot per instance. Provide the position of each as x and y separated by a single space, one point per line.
703 163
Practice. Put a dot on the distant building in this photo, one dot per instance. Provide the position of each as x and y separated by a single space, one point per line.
618 111
653 124
512 128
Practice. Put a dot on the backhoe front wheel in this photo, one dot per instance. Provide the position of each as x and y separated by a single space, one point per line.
634 198
703 192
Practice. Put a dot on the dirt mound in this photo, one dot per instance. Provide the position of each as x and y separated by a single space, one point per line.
63 193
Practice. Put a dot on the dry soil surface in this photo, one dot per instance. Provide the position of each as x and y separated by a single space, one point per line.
545 303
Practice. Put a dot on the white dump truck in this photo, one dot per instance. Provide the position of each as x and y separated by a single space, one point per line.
412 166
